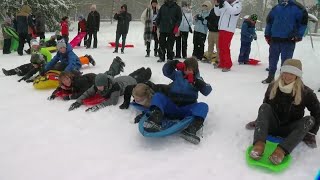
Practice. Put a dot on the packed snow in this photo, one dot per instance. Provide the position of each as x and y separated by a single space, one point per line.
41 140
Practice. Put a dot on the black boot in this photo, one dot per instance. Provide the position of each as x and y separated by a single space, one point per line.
91 60
269 79
9 72
156 53
153 124
148 53
190 134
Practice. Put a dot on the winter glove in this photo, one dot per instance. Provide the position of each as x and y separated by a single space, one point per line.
42 72
94 108
22 79
67 98
221 3
52 97
74 106
199 17
268 39
254 37
181 66
296 39
124 105
189 77
29 80
138 118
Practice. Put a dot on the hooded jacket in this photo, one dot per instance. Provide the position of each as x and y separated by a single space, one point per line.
93 21
248 31
70 59
229 15
169 16
286 21
201 25
24 23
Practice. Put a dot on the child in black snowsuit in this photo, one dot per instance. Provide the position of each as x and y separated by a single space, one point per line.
6 37
37 63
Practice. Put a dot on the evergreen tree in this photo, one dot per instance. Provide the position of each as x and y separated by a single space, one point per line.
52 10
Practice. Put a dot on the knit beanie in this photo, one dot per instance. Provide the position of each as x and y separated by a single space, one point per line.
61 44
36 59
292 66
102 80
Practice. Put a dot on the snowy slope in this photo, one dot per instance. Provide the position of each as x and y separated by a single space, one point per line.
41 140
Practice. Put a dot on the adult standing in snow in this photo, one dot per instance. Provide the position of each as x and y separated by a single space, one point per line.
168 20
148 18
40 25
124 19
184 29
213 37
282 113
93 25
24 27
286 25
229 11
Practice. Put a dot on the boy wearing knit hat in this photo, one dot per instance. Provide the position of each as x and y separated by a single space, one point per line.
282 114
65 59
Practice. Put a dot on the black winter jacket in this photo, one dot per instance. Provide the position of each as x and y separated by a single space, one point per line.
93 22
213 21
169 16
124 19
287 112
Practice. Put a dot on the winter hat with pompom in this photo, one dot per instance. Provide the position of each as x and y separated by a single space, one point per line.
292 66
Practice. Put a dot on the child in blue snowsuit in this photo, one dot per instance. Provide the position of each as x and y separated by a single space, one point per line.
69 61
182 98
248 34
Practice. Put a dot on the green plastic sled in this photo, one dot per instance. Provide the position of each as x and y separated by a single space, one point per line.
265 162
14 44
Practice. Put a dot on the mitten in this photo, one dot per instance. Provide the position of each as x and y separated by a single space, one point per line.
181 66
189 77
74 106
52 97
94 108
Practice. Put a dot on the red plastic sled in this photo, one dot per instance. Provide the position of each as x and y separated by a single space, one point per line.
62 93
113 44
94 100
75 41
254 62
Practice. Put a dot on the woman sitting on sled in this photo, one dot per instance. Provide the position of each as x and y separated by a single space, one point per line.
282 113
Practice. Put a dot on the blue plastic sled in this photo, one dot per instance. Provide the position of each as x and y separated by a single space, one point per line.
169 127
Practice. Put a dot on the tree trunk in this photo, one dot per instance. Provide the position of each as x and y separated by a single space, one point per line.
263 19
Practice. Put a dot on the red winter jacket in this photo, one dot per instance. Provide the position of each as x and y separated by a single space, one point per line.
82 26
64 28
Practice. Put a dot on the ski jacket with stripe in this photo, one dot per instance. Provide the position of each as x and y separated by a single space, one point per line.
229 15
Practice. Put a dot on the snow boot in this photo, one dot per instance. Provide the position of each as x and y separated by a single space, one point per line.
116 67
190 134
310 140
91 60
269 79
251 125
161 60
148 53
277 156
156 53
153 124
9 72
122 51
115 51
257 150
225 70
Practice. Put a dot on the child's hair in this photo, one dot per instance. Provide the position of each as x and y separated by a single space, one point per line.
64 18
192 63
142 90
37 59
64 75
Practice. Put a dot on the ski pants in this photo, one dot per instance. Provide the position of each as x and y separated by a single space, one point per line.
225 38
245 50
198 44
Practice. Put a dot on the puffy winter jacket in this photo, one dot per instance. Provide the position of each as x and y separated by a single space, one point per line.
248 31
186 20
181 91
93 21
82 26
124 19
69 58
168 17
64 28
201 25
213 21
286 21
229 15
23 21
287 112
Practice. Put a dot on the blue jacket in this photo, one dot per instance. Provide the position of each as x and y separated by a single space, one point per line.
287 21
181 91
248 31
70 59
201 25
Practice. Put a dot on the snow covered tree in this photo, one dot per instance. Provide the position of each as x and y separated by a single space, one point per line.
52 10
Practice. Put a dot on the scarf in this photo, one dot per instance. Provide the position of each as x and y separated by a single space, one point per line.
286 88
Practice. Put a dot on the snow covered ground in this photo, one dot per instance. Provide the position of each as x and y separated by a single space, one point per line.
41 140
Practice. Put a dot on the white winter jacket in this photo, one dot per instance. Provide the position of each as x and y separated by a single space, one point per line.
187 20
229 15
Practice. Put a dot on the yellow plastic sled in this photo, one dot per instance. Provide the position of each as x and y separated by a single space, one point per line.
49 81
